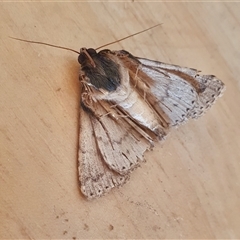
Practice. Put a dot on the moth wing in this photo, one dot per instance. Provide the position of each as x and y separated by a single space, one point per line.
207 87
211 89
95 177
111 146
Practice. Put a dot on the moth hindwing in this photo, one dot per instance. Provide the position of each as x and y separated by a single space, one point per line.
128 103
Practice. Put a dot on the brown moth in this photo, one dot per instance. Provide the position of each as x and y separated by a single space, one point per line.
127 104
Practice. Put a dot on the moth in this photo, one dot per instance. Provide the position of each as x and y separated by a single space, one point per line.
127 104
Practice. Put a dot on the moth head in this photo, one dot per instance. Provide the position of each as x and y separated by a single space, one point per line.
86 56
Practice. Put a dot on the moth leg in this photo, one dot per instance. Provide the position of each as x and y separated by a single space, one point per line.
136 77
113 115
137 80
112 112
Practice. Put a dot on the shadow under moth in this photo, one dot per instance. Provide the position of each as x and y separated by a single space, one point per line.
127 104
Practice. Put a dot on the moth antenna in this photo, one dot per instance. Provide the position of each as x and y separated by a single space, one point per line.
129 36
47 44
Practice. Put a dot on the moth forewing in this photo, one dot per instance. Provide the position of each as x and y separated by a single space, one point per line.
95 177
